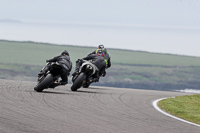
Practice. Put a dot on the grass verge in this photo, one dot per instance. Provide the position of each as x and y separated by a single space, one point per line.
185 107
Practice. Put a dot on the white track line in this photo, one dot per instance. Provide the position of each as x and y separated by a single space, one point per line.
157 108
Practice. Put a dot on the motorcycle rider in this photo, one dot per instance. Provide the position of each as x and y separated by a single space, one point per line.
97 60
105 53
65 62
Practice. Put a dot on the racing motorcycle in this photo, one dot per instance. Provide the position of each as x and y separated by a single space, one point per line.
84 76
50 77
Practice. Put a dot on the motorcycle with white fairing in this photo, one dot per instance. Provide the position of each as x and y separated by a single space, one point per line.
85 75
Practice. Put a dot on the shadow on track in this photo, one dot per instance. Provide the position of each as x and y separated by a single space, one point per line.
88 91
54 92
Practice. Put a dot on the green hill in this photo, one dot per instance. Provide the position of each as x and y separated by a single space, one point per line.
130 69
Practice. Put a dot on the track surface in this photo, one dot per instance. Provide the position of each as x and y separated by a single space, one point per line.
92 110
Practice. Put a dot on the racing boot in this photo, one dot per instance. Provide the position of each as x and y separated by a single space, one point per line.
75 72
42 72
78 64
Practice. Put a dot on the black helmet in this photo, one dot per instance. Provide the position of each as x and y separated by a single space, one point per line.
65 53
100 46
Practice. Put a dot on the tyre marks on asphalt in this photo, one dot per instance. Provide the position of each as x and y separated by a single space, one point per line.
89 110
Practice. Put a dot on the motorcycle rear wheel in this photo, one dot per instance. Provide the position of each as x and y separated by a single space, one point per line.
42 85
78 82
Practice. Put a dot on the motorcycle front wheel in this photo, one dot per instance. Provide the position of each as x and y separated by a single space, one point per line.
43 84
78 82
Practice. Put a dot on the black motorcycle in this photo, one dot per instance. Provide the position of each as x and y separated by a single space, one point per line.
50 77
85 75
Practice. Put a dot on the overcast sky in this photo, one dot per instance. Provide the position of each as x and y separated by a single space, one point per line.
166 26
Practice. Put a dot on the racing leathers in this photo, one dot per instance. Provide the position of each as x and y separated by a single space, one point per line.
105 55
65 62
98 61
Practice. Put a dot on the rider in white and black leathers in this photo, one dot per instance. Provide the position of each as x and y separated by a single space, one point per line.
98 61
65 62
106 55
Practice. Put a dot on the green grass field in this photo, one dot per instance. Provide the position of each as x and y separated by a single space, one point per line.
131 69
185 107
37 53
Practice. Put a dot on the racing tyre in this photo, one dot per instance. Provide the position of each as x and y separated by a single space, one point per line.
78 82
42 85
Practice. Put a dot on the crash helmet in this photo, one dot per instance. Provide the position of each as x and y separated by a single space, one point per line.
100 47
65 53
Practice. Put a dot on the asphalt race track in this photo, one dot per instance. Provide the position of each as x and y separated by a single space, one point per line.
91 110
